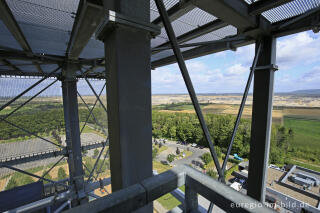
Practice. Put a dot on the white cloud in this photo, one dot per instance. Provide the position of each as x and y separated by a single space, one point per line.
236 70
205 79
299 48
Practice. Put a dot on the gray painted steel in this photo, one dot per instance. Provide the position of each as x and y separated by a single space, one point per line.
143 193
261 120
20 196
70 104
129 97
40 204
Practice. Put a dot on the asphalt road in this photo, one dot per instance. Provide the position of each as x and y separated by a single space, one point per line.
196 153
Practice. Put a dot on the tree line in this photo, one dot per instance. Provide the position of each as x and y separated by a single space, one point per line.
186 127
45 122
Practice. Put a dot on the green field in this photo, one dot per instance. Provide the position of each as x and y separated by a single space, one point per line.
306 132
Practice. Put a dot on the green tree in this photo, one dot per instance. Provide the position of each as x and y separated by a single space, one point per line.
172 132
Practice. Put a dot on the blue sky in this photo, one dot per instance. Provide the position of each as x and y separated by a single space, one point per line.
298 58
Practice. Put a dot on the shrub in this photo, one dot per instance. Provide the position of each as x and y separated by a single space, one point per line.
206 157
170 157
232 160
212 174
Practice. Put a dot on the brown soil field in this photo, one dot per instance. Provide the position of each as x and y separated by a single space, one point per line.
3 183
279 100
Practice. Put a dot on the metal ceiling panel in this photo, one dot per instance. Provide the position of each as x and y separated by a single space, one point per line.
6 38
290 9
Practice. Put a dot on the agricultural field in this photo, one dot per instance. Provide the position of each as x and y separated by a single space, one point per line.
298 114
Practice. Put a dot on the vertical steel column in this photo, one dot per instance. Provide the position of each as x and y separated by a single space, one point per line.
191 200
71 117
127 52
261 119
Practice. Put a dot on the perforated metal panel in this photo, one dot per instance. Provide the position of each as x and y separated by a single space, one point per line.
154 11
166 53
38 14
47 25
290 9
6 38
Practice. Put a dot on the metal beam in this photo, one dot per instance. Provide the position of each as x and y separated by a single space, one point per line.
234 12
203 43
12 25
188 82
71 117
129 84
201 51
10 22
87 20
8 64
259 7
176 11
21 55
307 21
243 102
204 29
9 53
261 120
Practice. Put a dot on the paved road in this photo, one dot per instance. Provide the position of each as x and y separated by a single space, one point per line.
196 153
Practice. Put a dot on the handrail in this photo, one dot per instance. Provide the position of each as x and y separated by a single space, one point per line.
150 189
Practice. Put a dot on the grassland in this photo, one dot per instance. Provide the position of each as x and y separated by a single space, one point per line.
306 132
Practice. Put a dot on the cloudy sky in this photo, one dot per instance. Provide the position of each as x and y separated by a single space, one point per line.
298 58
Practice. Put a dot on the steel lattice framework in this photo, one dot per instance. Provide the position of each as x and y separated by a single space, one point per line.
88 39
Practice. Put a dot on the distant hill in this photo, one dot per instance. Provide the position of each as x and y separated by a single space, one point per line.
307 92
